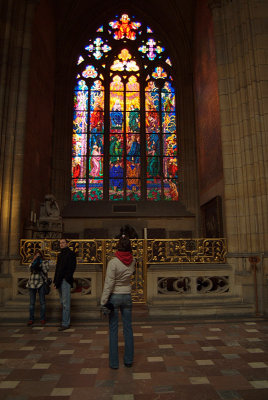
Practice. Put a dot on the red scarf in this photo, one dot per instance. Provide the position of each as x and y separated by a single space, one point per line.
125 256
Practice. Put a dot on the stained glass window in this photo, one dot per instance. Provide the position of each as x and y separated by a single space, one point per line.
124 122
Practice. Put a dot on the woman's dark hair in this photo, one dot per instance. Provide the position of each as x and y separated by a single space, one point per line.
37 251
124 244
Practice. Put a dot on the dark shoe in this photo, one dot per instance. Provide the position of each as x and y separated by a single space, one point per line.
63 328
29 323
42 322
128 365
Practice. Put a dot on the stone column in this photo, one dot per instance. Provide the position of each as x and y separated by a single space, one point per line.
16 46
241 46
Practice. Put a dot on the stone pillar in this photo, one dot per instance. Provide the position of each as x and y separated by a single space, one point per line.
241 46
16 46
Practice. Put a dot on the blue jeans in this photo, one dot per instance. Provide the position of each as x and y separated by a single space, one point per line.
65 299
124 303
42 300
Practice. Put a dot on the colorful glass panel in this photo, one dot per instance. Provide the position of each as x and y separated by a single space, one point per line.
95 162
133 191
133 116
153 167
132 84
171 190
78 190
168 98
116 114
159 73
170 144
116 181
116 147
133 155
79 145
80 100
154 189
98 48
169 122
119 116
153 144
80 60
96 140
151 49
90 72
170 167
95 189
152 122
79 167
124 28
80 122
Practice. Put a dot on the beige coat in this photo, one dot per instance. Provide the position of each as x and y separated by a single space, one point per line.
117 279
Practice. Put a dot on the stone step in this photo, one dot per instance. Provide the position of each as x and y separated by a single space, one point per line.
196 306
15 310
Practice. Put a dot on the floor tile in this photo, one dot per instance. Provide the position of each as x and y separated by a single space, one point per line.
260 384
199 380
202 360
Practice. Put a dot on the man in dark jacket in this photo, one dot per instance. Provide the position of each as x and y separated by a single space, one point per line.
63 280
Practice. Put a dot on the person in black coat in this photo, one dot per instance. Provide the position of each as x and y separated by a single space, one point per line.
63 280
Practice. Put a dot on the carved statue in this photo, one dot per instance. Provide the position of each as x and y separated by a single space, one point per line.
50 208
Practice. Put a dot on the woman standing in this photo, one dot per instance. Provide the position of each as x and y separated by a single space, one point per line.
38 275
117 295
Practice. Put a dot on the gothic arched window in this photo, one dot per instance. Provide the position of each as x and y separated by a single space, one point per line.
124 126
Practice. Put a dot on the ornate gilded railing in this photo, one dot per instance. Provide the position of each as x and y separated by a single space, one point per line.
151 251
146 252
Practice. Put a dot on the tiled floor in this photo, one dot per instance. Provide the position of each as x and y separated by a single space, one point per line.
174 360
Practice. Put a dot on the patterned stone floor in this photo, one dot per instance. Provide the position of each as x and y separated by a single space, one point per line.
208 360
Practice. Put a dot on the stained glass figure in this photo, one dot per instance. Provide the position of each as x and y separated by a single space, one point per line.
171 190
116 114
79 147
159 73
80 122
116 183
168 97
95 162
97 107
170 167
133 148
116 147
124 28
170 144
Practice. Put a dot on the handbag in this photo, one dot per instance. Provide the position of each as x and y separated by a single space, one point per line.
47 284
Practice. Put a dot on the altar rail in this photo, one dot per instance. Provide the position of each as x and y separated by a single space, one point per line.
149 251
146 252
